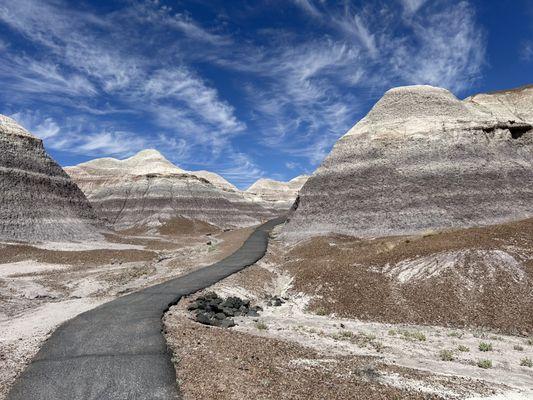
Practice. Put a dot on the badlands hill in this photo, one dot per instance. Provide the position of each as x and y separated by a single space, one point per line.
38 200
279 195
148 191
423 160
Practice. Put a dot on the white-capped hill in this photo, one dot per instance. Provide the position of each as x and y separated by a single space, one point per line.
147 190
38 200
421 160
280 195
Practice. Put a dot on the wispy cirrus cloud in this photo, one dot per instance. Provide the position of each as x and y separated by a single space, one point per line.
412 6
217 92
80 65
526 51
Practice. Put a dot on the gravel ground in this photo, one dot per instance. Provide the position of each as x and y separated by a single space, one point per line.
219 364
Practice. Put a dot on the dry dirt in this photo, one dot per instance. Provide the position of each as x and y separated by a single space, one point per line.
340 318
350 277
42 286
221 364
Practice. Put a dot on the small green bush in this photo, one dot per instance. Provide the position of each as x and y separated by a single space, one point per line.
517 347
484 346
526 362
455 334
485 364
321 311
463 348
414 335
446 355
261 326
346 334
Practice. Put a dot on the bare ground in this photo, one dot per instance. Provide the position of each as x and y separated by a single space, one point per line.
42 286
341 318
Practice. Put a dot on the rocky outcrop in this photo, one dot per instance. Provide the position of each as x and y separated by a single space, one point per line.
149 191
38 200
277 194
423 160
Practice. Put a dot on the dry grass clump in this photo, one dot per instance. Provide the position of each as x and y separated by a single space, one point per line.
446 355
484 346
526 362
485 364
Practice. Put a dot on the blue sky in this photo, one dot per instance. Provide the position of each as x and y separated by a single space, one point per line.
247 89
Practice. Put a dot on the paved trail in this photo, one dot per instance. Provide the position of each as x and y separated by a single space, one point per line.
117 351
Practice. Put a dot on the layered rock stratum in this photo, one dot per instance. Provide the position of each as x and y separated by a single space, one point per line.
38 200
148 191
424 160
277 194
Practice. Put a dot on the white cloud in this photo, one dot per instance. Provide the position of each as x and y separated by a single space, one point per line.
41 77
309 7
354 26
44 128
447 49
527 51
163 16
107 142
79 136
91 57
292 165
243 171
179 84
302 91
412 6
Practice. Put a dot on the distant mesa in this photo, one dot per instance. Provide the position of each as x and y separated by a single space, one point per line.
148 191
38 200
280 195
423 160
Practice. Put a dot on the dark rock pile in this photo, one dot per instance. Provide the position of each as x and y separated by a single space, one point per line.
275 301
213 310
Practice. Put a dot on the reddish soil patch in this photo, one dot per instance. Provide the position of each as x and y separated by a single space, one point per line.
16 253
347 275
218 364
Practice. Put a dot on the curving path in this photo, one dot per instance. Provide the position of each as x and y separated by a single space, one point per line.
117 350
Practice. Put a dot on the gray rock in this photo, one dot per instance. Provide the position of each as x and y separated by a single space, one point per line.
204 319
229 312
38 200
220 316
423 160
147 190
227 323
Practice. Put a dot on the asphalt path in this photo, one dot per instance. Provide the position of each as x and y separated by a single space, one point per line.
117 350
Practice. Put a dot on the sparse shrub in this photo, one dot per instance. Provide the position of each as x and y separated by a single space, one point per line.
526 362
480 334
455 334
414 335
517 347
261 326
484 346
463 348
485 364
446 355
530 341
377 345
346 334
321 311
392 332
